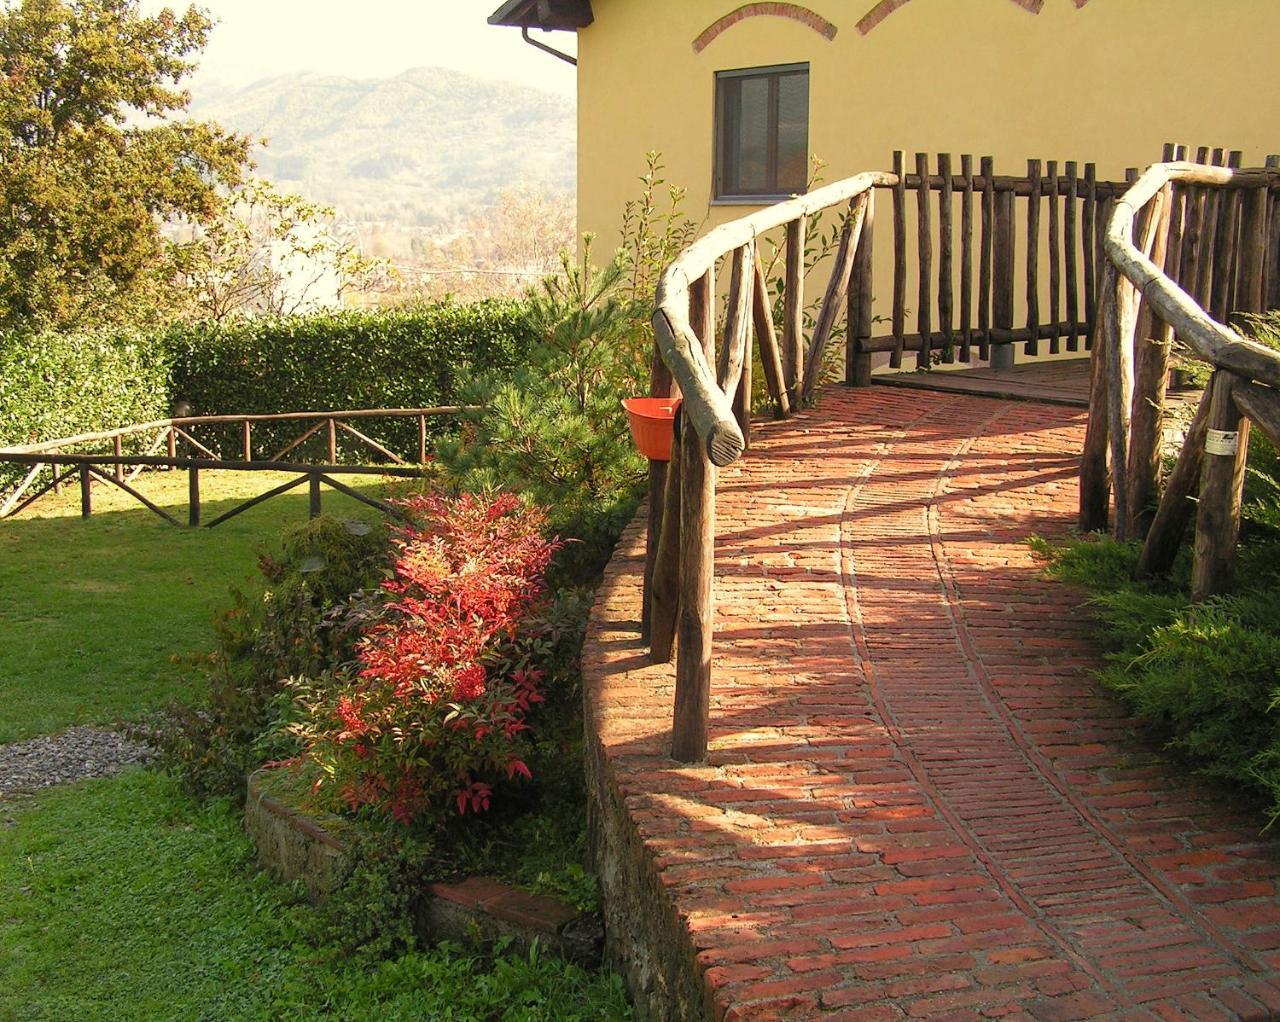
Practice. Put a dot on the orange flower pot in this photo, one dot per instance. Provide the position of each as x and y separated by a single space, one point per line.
651 424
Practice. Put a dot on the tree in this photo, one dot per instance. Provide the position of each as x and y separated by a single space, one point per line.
272 253
95 156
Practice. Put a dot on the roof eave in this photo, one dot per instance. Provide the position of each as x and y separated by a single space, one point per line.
549 15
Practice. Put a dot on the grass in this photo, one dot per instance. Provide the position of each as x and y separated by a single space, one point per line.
93 611
124 900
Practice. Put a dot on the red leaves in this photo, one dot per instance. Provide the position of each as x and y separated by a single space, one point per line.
430 711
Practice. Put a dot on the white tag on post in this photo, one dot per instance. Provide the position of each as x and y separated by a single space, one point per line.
1222 441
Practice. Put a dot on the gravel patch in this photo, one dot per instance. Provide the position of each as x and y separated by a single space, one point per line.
71 755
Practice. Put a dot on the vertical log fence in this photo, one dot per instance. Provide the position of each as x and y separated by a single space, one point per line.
1189 247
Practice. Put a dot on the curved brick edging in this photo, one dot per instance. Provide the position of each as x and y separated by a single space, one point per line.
916 803
296 846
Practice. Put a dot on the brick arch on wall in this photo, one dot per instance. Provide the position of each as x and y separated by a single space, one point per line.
794 12
884 8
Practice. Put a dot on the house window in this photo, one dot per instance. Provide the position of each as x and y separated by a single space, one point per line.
762 131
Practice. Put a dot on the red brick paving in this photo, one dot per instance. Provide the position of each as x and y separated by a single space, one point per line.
917 803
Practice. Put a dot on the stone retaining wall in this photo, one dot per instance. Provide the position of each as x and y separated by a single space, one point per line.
301 846
645 940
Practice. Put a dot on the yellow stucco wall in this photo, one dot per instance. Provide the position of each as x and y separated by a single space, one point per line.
1109 82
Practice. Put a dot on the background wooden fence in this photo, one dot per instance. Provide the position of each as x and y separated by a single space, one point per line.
101 457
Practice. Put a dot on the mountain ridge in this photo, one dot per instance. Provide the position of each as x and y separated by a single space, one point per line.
422 147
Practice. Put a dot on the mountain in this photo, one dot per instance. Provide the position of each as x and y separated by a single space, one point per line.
416 149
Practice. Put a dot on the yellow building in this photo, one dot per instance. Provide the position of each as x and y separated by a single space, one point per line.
734 95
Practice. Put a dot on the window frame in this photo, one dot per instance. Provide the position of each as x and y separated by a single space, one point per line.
722 140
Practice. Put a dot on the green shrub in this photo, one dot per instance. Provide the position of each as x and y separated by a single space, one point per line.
402 358
555 430
299 626
55 385
1207 675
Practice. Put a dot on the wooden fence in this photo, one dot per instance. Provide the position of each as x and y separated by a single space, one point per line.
990 248
1189 246
54 463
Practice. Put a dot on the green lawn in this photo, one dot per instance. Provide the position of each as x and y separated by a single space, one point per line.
91 612
123 900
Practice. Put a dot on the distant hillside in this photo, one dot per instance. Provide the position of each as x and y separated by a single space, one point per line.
413 150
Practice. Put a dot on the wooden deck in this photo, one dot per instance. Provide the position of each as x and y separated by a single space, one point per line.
1059 383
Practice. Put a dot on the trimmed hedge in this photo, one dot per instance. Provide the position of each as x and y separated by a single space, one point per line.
401 358
54 385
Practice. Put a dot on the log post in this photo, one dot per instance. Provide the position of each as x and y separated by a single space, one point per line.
1221 488
659 386
313 481
697 560
1176 506
117 448
665 595
1150 381
193 497
247 440
173 442
1095 484
858 319
422 439
767 337
793 311
86 491
1120 324
1002 278
331 435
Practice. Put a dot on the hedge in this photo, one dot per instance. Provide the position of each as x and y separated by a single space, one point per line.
402 358
55 385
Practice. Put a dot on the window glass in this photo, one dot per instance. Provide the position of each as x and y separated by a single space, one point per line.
793 132
762 131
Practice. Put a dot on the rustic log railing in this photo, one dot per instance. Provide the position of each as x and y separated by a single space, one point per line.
983 293
713 426
66 459
1187 246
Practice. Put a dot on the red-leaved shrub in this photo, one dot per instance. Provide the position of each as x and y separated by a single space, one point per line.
433 711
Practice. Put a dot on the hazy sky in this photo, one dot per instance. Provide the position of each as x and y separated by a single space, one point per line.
370 38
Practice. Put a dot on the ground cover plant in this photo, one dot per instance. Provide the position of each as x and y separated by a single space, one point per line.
93 612
126 900
1207 676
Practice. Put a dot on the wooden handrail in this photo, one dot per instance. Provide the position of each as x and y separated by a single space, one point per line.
706 408
1215 342
1140 301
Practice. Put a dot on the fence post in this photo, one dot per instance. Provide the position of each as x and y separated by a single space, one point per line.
247 438
1150 380
665 591
117 447
659 386
313 482
86 491
1221 487
697 556
857 369
193 497
1002 279
793 311
1095 485
422 439
331 432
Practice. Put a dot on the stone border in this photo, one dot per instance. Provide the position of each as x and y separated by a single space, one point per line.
294 846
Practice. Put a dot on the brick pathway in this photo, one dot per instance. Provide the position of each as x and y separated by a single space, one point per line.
918 805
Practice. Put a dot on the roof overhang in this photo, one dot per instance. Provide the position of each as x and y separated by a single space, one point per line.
549 15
